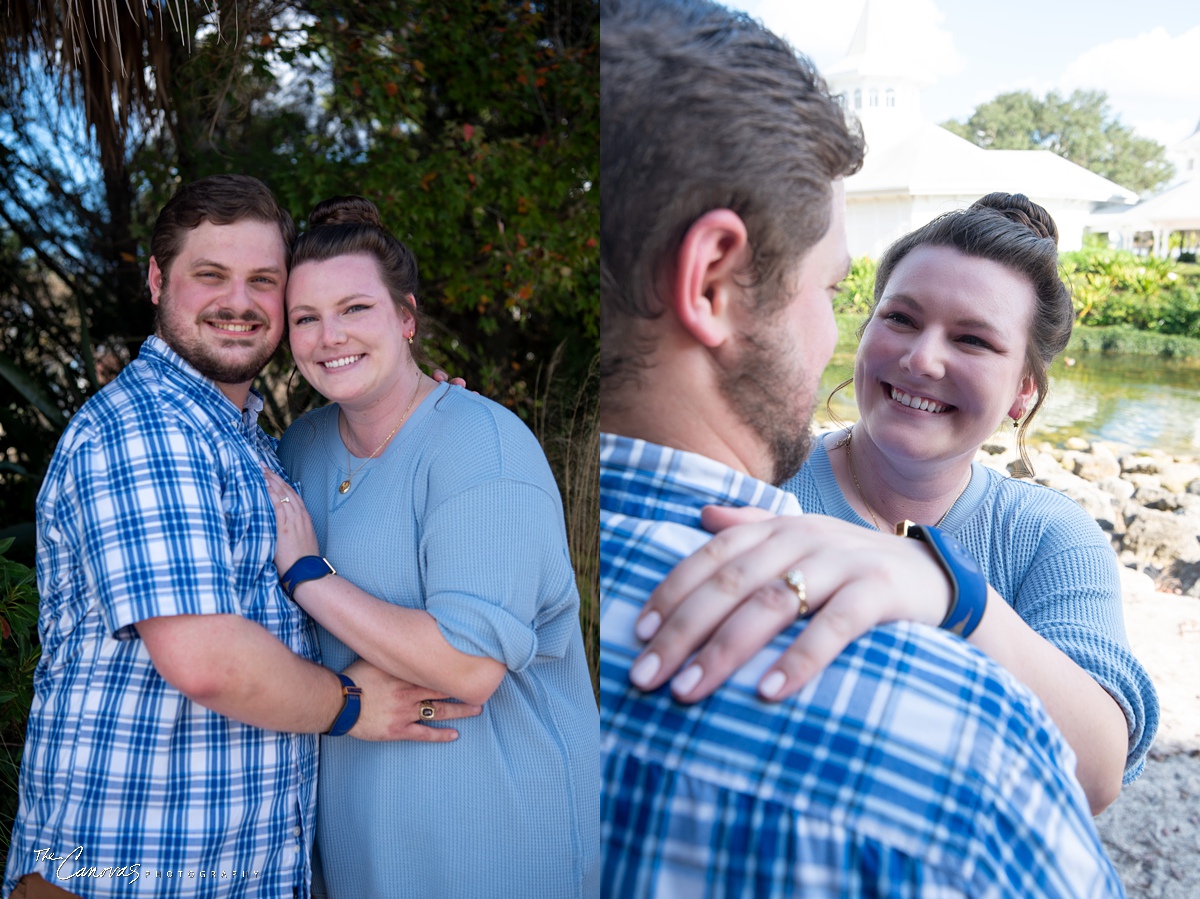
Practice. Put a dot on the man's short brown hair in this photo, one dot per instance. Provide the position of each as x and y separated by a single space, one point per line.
702 108
220 200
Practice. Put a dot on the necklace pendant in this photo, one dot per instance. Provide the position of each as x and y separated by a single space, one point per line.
344 486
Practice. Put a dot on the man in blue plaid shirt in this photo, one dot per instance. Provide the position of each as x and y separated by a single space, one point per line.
913 765
171 748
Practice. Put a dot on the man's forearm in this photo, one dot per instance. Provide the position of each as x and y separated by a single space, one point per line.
236 668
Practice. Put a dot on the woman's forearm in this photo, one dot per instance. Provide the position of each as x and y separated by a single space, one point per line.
1089 718
406 643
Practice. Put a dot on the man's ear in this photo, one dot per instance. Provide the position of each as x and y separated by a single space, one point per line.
714 251
155 280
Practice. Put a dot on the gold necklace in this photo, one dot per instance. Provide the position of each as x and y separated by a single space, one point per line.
845 441
345 485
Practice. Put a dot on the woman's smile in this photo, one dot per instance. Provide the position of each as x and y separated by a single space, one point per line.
916 403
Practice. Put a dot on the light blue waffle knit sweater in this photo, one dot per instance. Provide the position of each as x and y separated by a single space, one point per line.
1049 560
459 516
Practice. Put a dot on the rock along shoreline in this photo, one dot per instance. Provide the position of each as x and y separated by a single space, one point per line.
1148 503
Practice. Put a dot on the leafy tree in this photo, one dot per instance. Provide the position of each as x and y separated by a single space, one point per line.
1080 128
474 127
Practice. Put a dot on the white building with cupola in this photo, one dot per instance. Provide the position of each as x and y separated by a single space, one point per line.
915 170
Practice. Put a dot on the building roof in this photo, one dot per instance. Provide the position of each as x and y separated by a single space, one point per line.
930 161
1175 209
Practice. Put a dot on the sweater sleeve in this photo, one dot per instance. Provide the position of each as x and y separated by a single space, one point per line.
1071 595
493 552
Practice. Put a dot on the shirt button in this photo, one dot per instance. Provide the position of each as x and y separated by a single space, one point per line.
296 831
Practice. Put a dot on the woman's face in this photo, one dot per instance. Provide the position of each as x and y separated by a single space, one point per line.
348 337
942 360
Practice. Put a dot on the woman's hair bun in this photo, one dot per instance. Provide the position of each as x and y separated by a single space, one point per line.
345 211
1022 210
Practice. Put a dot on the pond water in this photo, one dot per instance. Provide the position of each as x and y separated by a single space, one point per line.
1139 401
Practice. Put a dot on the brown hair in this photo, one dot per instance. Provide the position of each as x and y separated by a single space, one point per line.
343 226
1019 234
220 200
702 108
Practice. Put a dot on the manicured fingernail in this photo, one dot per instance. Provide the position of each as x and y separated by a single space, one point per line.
645 669
647 625
686 682
772 684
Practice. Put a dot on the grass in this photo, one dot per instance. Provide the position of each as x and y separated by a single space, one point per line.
569 430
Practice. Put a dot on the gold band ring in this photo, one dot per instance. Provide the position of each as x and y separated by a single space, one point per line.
795 580
427 710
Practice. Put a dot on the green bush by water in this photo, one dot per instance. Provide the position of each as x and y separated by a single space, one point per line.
1129 340
1110 289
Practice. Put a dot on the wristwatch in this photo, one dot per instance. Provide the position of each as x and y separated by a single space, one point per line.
351 705
306 568
968 586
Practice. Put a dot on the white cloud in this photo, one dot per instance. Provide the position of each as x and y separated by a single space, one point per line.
1152 65
1152 80
821 31
915 36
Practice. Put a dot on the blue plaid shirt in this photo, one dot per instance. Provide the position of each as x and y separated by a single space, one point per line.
913 766
154 504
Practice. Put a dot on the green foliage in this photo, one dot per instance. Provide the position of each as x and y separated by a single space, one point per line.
18 645
1128 340
857 290
475 128
1115 287
1123 302
19 653
1080 128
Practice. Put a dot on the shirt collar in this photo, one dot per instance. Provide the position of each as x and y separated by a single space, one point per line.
645 480
156 349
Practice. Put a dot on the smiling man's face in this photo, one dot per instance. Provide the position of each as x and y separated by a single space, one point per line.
220 306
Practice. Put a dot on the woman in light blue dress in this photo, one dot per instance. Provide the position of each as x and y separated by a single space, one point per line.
442 519
969 311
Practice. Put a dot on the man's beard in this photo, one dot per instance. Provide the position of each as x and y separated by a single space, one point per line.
204 358
767 393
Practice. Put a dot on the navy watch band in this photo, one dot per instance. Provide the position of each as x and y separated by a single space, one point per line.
306 568
351 705
968 586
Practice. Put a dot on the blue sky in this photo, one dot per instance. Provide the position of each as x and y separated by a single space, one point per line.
1144 55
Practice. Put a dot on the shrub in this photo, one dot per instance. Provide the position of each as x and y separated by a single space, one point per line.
857 289
19 653
1115 287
